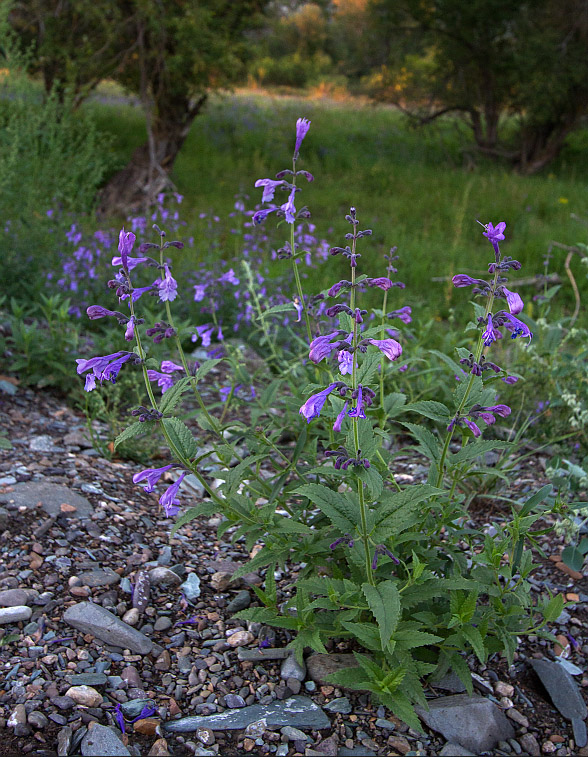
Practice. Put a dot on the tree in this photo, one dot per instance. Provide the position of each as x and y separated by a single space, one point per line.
488 59
171 54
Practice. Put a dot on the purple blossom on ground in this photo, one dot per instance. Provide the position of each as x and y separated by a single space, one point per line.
302 127
150 476
314 404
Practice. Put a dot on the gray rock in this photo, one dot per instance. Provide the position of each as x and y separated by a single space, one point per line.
7 387
191 587
101 741
565 695
99 577
241 601
162 623
87 679
572 669
258 655
299 712
356 751
530 744
4 518
255 729
387 725
234 701
92 618
37 720
64 741
14 614
472 722
43 443
141 590
450 682
51 497
17 597
293 734
161 576
341 705
321 666
454 750
134 708
291 668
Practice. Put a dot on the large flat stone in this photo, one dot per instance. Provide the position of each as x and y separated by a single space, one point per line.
101 741
54 499
472 722
299 712
564 694
92 618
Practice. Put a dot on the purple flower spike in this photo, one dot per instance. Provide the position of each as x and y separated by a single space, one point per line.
269 188
126 240
169 500
514 301
314 404
389 347
302 127
150 476
339 420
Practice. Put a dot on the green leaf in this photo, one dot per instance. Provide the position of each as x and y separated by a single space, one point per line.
384 603
428 442
400 510
131 431
536 499
372 479
436 411
473 636
287 307
573 558
206 367
477 449
282 525
349 678
170 399
5 443
181 437
333 504
410 639
203 508
368 368
553 609
366 634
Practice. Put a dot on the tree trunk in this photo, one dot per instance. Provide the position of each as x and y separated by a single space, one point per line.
136 186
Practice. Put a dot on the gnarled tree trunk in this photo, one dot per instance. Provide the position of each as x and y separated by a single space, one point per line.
136 186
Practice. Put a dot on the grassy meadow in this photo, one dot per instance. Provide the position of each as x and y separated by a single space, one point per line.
418 189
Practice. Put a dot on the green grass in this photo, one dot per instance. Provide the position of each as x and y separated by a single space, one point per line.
412 187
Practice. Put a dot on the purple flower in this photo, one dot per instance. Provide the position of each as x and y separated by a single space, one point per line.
289 209
490 334
229 278
472 426
314 404
164 380
339 421
103 368
97 311
382 282
199 292
167 366
510 379
347 540
205 333
299 309
381 549
119 717
169 500
302 127
131 262
516 327
168 287
463 280
151 476
321 347
358 411
404 314
261 215
336 288
130 330
389 347
345 359
140 291
495 235
269 188
514 301
126 240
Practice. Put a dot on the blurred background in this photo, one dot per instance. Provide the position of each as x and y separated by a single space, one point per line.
426 116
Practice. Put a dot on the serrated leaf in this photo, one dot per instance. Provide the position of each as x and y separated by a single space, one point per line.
553 608
368 368
398 510
436 411
234 476
333 504
130 432
284 525
206 367
204 508
473 636
366 634
410 639
428 443
181 437
384 603
372 479
170 399
286 307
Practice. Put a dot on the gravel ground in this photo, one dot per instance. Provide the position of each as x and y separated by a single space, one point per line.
59 683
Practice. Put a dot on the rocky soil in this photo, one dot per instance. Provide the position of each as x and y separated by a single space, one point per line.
117 640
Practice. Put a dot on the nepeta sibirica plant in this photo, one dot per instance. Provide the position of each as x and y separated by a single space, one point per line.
306 466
